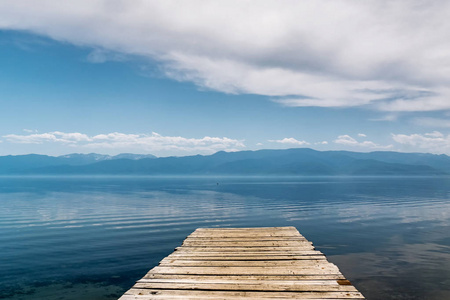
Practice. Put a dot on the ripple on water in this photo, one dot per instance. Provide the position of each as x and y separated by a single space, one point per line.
61 237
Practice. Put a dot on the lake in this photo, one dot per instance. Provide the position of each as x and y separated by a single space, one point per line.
93 237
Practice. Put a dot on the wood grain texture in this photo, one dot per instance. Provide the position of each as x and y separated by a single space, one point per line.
244 263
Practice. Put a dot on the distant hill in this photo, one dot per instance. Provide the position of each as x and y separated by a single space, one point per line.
299 161
14 164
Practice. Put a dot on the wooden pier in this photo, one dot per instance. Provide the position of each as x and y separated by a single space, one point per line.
244 263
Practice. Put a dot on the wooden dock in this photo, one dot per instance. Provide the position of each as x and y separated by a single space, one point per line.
244 263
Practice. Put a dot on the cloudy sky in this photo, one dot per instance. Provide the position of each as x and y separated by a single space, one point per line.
187 77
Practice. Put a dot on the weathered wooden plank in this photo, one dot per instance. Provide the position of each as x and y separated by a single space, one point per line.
248 253
243 263
256 295
249 258
247 235
184 297
238 280
335 277
300 252
245 238
246 243
215 297
245 287
244 233
282 270
242 249
231 234
249 243
237 250
248 229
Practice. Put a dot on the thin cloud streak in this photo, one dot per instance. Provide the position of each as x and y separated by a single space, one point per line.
290 141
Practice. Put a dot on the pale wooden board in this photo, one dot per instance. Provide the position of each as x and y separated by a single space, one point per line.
228 280
256 295
335 277
244 263
181 252
248 253
231 234
248 258
242 249
235 233
249 229
218 297
246 243
236 250
245 287
283 270
244 238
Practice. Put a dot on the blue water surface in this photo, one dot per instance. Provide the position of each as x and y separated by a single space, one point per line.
93 237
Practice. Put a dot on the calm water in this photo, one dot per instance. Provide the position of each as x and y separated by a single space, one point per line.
91 238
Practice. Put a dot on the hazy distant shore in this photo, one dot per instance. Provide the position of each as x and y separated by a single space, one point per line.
289 162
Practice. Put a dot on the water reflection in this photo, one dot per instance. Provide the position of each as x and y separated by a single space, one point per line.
390 236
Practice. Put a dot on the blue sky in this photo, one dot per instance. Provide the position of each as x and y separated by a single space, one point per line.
123 78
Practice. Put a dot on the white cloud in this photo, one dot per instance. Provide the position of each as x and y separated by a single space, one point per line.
30 130
55 136
435 134
290 141
434 142
321 53
116 140
322 143
345 140
362 135
350 141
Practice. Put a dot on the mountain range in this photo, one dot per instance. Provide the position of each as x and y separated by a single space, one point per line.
30 163
298 161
